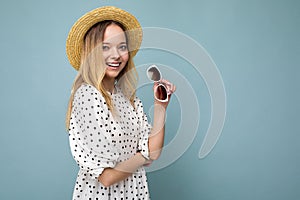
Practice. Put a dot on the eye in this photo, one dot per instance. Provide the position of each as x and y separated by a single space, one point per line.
123 47
105 47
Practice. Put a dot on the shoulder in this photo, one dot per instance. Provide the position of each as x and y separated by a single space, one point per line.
88 94
138 104
137 101
87 89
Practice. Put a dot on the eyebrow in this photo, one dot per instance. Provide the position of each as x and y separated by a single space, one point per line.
110 43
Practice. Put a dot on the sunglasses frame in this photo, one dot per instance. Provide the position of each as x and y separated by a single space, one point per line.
160 84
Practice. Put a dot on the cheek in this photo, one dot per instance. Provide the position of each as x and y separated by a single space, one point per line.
105 56
125 57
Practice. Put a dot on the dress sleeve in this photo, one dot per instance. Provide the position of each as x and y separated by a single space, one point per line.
90 142
145 129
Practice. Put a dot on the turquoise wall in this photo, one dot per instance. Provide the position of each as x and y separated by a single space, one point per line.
255 45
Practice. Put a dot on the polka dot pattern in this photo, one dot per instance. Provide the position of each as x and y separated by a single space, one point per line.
100 139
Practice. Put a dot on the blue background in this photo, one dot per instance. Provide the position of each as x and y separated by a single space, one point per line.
255 45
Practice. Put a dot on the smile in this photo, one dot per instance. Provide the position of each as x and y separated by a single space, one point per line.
114 64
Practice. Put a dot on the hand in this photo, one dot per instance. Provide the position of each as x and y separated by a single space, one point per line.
160 94
148 163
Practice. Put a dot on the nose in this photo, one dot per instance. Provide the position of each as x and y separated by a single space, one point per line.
115 53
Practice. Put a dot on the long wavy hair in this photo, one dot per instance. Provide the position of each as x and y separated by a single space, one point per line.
92 68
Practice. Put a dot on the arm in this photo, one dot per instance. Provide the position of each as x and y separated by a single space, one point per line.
86 127
122 170
156 138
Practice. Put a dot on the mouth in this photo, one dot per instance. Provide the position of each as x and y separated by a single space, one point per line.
113 64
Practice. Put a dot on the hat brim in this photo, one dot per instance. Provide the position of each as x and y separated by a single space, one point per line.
76 35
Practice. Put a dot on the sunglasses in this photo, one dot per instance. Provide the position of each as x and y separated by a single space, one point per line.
160 91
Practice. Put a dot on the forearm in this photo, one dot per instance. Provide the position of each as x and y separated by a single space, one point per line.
156 138
122 170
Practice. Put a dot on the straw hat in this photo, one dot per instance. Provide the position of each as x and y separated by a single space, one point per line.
76 35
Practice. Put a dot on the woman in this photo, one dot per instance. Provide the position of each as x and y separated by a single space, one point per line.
110 137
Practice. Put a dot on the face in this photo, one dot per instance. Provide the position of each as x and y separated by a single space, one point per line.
115 51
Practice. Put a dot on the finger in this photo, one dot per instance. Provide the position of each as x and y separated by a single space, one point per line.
173 88
170 86
166 82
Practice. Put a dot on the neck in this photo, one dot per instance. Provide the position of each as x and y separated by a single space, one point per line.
109 84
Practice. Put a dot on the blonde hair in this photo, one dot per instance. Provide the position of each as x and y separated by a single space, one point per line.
92 69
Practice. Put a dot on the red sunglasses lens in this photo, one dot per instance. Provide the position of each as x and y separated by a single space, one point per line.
161 93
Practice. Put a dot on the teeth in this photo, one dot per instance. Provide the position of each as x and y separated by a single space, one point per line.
114 64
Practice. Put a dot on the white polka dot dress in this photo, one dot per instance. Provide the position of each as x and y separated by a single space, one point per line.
99 140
